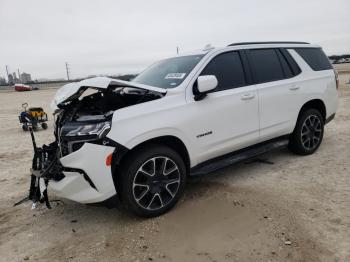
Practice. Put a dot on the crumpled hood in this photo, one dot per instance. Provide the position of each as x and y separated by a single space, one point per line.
71 90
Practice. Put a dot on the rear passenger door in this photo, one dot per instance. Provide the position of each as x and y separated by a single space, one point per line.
273 73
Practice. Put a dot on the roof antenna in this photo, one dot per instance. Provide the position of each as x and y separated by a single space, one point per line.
208 47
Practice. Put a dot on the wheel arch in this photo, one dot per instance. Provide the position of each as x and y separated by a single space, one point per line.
317 104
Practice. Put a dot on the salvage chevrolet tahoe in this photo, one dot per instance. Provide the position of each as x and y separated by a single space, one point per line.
184 116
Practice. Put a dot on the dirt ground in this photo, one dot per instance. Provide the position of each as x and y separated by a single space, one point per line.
293 209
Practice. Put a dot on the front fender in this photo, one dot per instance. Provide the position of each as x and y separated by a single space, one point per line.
140 138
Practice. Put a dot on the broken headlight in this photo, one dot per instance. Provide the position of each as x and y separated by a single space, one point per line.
99 130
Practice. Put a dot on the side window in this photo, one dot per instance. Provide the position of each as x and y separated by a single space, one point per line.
315 58
228 69
266 64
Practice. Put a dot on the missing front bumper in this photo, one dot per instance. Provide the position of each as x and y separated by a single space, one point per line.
81 176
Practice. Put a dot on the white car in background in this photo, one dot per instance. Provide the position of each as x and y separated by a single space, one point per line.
187 115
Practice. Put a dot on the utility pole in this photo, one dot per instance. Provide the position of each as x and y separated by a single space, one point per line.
67 70
177 50
7 73
19 75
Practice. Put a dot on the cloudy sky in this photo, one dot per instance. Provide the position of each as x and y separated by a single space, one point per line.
111 37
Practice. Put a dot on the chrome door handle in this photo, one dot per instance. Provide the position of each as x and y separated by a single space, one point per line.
294 87
247 96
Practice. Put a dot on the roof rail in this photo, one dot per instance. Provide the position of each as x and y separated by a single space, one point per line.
268 42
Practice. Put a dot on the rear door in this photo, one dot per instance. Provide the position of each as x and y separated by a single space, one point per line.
273 74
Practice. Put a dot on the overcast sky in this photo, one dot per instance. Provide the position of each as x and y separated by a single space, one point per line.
112 37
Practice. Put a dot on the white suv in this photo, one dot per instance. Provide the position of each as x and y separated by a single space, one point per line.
187 115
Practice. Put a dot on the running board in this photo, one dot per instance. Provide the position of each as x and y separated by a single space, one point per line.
213 165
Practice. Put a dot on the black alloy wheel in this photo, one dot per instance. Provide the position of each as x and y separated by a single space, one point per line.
156 183
308 133
311 132
153 179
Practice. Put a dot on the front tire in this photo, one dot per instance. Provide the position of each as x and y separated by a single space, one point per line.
153 180
308 133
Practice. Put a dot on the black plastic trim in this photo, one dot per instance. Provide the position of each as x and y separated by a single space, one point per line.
329 119
220 162
246 67
119 151
82 172
290 60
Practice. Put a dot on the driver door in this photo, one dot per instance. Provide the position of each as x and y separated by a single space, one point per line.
227 119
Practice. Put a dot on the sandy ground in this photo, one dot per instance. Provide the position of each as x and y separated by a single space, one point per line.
295 209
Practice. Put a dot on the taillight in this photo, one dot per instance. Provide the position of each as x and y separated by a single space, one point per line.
336 79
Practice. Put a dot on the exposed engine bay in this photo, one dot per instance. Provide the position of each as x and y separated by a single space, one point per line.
89 118
86 116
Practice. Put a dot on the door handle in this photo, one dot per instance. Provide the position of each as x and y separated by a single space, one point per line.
294 87
247 96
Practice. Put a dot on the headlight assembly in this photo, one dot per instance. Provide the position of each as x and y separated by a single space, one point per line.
100 129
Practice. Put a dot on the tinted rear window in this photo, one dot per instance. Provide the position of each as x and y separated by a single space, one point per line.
266 65
228 69
315 58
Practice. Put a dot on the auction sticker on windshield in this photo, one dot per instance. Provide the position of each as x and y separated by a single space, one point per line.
175 76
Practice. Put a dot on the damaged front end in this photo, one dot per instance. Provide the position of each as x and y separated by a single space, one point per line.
75 163
45 167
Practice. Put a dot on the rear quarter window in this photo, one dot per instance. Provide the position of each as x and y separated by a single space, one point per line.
315 58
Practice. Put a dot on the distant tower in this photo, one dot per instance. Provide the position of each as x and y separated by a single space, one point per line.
10 79
7 73
15 79
67 70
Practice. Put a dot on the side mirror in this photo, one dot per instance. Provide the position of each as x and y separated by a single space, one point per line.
203 86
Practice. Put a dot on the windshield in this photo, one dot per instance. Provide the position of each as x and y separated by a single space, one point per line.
168 73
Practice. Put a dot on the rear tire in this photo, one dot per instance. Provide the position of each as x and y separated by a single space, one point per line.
308 133
44 125
25 127
152 180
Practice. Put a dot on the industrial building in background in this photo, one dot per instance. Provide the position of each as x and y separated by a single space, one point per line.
25 78
12 78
